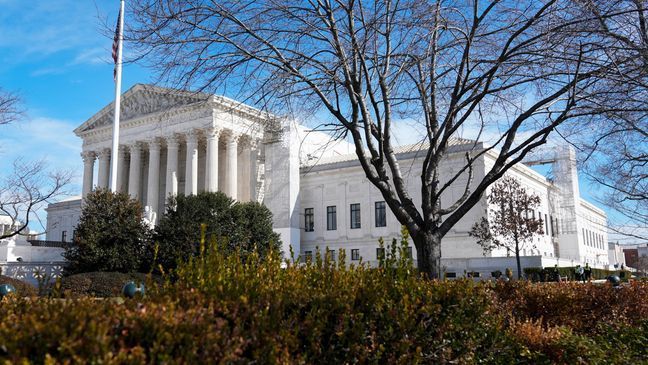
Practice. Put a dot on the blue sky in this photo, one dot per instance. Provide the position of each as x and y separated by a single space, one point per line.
56 55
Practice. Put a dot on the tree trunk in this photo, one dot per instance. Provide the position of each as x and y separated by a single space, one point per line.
517 258
428 254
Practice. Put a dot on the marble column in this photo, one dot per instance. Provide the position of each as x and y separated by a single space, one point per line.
134 170
231 153
191 171
254 165
153 189
244 168
88 171
122 171
211 168
172 167
104 169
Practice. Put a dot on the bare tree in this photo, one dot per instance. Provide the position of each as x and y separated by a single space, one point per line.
510 220
9 107
26 191
616 156
515 69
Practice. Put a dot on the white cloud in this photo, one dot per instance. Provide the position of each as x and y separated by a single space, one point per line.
41 138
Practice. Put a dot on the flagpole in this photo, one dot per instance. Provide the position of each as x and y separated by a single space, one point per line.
114 155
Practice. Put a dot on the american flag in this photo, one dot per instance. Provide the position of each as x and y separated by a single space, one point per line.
115 46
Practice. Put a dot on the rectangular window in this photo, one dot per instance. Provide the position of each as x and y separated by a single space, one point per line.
355 254
408 252
380 253
331 218
546 224
331 254
64 236
381 214
355 216
308 256
309 220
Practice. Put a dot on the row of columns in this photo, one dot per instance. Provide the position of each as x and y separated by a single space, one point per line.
173 146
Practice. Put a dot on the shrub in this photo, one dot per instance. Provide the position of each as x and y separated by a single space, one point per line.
111 235
23 289
246 226
98 284
223 309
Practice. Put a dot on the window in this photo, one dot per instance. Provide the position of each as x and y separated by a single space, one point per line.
355 254
64 236
451 275
381 215
546 224
380 253
309 220
308 256
331 218
330 253
408 252
355 216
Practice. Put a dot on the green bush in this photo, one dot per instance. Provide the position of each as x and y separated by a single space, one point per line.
98 284
22 288
246 225
111 235
223 309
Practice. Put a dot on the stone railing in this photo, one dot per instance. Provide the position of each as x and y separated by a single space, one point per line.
32 272
41 243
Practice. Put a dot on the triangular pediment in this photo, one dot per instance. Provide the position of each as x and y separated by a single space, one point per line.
140 101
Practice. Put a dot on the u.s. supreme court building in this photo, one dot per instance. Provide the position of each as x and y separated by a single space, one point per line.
175 142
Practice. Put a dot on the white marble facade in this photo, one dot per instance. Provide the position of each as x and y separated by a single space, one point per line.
179 142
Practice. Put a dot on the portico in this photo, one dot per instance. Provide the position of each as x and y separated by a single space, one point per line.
175 142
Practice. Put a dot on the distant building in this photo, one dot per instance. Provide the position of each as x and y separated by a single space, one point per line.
175 142
633 253
616 255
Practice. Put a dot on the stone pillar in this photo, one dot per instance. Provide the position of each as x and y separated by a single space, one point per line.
211 160
88 171
191 172
122 172
231 152
254 165
134 171
244 169
153 191
104 169
172 167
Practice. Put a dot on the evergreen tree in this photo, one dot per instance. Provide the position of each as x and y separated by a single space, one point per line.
241 225
110 236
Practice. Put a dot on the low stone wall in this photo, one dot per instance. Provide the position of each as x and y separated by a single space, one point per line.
32 272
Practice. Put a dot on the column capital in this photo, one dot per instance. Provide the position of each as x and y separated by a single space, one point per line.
153 144
88 156
134 147
172 141
232 137
248 141
192 137
103 153
213 132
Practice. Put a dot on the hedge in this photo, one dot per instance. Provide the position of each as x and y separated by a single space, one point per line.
544 274
221 309
22 288
98 284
